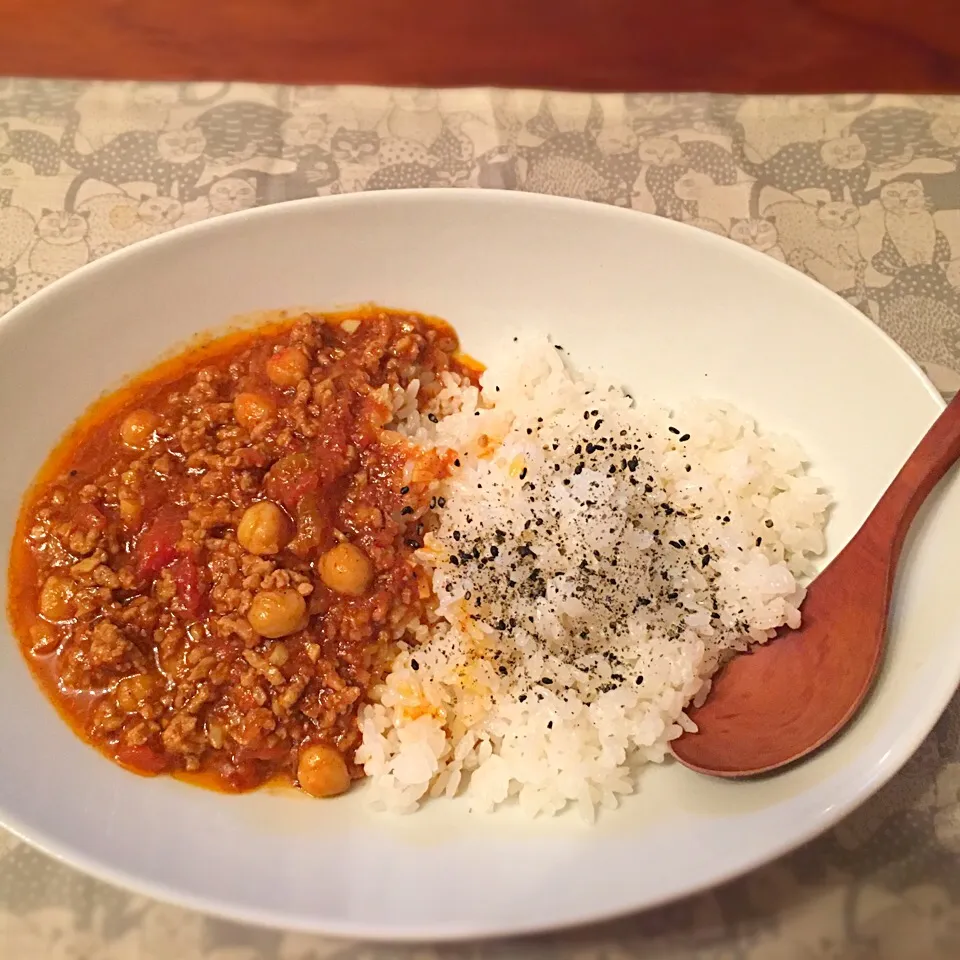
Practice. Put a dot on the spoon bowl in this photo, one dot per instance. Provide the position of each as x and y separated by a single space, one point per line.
781 701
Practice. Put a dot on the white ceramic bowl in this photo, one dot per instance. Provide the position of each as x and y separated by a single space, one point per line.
671 311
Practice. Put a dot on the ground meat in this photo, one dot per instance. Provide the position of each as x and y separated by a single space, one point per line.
173 629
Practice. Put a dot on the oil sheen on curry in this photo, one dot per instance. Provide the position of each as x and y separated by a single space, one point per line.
213 569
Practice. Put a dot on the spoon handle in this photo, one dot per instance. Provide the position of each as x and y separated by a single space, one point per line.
939 449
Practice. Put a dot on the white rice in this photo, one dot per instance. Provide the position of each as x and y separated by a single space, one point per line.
595 560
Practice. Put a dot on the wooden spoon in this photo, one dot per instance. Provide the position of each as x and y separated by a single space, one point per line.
782 700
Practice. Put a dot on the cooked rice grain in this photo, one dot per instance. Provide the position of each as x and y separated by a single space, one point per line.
595 561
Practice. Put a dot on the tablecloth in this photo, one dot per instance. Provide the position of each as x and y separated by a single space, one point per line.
861 192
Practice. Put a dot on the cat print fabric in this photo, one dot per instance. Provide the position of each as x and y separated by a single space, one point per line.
859 192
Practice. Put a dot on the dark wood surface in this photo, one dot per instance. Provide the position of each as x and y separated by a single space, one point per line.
721 45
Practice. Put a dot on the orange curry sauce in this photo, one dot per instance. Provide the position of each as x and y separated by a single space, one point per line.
178 630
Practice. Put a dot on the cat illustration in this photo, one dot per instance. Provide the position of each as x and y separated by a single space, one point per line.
911 236
771 123
316 174
231 194
656 114
451 152
37 149
820 239
712 201
711 226
17 229
826 230
107 110
414 115
30 283
239 130
40 101
571 164
303 132
759 235
61 244
400 175
942 190
395 150
927 328
117 220
837 166
893 136
497 169
668 160
172 159
935 281
357 156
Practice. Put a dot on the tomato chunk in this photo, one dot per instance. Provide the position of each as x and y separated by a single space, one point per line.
291 478
157 546
143 759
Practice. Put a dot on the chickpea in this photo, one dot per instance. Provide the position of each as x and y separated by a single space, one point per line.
288 367
346 569
132 692
57 598
138 428
251 409
264 528
322 771
276 613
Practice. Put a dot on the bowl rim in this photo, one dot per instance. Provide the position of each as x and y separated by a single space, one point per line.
896 756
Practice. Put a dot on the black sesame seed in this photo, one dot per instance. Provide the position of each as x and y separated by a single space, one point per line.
404 490
546 681
406 511
432 417
414 664
684 438
673 430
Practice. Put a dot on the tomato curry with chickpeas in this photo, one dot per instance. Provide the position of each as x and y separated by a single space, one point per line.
213 568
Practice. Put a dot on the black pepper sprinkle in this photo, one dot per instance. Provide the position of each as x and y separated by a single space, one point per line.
759 541
549 724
